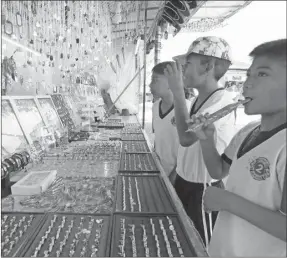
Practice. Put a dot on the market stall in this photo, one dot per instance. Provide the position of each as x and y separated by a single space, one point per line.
76 180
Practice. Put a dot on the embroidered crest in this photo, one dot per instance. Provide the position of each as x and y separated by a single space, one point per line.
260 168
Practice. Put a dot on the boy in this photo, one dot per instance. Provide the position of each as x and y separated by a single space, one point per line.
166 139
252 218
206 61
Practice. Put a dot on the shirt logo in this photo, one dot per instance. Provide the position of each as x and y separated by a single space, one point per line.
173 121
260 169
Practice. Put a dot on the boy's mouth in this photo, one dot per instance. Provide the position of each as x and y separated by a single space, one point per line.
247 100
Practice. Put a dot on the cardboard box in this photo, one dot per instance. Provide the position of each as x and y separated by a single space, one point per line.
36 182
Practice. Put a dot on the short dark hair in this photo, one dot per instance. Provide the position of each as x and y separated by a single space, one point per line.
159 68
221 66
275 49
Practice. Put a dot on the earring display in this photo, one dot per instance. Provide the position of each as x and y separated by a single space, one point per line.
74 195
142 194
137 163
133 137
135 147
16 229
70 236
150 236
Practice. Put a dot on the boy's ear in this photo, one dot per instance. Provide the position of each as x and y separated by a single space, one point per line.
209 65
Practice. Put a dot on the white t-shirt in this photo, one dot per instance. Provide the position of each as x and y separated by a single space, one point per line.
257 176
190 162
166 137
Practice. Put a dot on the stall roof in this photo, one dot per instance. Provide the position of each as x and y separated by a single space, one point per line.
212 14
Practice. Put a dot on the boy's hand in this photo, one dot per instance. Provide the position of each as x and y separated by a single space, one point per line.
173 73
215 199
206 131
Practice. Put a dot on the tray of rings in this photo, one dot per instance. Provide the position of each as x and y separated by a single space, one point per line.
150 236
16 229
142 194
114 120
111 125
79 136
105 150
104 167
132 130
132 125
68 195
135 147
71 235
137 163
133 137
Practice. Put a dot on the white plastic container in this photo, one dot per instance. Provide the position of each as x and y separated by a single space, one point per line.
36 182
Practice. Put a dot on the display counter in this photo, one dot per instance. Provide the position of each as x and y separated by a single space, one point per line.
105 192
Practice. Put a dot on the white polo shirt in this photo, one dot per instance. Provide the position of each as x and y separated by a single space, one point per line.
166 137
257 176
190 162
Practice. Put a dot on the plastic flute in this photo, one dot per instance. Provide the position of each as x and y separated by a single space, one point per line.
217 115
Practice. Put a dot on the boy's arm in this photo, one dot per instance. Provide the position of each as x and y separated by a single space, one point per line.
216 166
186 139
272 222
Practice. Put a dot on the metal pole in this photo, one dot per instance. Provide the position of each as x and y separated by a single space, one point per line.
108 112
144 79
157 45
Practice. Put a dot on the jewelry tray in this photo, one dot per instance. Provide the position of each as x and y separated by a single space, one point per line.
135 147
132 126
137 163
36 223
144 219
111 125
104 241
132 130
152 194
133 137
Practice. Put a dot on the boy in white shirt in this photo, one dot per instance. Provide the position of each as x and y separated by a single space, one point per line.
252 218
166 139
207 60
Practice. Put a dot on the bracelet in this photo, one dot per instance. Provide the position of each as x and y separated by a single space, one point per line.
145 241
138 195
167 243
157 246
132 237
175 239
123 237
124 193
132 202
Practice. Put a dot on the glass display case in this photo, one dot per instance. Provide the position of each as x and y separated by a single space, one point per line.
13 138
30 118
49 112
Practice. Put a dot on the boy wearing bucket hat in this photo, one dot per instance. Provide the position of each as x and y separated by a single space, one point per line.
206 61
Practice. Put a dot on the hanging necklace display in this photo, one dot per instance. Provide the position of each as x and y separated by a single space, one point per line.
8 26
